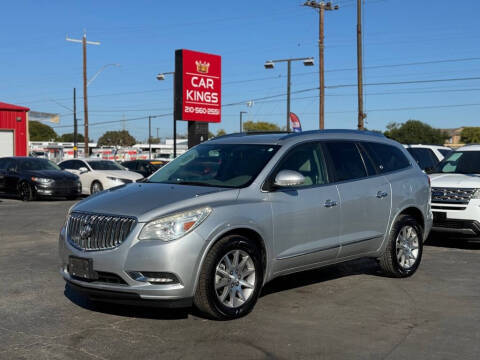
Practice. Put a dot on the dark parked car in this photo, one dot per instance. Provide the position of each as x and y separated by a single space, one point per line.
31 177
144 167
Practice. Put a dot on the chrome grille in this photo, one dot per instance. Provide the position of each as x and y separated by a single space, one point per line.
452 195
92 232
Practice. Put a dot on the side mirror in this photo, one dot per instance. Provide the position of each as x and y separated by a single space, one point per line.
83 170
288 178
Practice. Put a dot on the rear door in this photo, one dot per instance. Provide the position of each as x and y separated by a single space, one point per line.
12 175
306 219
364 198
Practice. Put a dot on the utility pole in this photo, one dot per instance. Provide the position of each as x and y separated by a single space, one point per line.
361 114
241 120
321 6
149 137
84 43
75 128
157 133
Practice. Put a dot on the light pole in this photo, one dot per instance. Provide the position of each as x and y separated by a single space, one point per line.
161 76
241 123
99 72
271 64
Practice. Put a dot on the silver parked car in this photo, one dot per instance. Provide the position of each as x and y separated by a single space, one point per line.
217 223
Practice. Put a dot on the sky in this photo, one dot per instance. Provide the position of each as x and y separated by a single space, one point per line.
425 43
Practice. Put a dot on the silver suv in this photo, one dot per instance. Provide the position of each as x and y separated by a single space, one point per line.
217 223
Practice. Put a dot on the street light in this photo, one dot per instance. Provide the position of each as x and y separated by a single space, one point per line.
100 71
161 76
270 64
241 124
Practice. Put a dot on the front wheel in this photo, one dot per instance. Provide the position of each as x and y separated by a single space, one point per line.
96 187
404 249
231 279
26 192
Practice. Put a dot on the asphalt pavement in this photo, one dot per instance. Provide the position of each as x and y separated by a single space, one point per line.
347 311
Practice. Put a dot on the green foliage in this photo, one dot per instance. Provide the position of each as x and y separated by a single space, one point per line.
221 132
116 138
69 137
470 135
251 126
154 140
41 132
415 132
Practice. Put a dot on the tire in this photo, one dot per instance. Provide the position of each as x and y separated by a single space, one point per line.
404 249
96 187
26 192
208 299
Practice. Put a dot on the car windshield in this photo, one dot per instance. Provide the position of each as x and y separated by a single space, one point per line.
37 164
105 165
219 165
460 162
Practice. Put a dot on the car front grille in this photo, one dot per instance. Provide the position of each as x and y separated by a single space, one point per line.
93 232
452 195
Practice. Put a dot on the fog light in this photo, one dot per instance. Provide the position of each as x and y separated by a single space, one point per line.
154 278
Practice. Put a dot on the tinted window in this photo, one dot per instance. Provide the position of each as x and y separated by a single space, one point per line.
10 164
37 164
131 165
308 160
367 160
425 158
222 165
72 165
461 162
346 159
386 157
445 152
105 165
3 164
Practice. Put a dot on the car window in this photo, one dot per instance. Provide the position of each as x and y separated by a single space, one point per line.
3 164
308 160
346 159
131 165
386 157
460 162
212 164
367 160
37 164
72 165
445 152
425 158
105 165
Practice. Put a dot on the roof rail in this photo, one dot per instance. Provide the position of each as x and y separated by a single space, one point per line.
250 133
335 131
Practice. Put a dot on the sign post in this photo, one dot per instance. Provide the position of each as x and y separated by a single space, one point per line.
197 92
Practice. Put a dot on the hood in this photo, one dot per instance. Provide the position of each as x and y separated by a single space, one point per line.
147 201
122 174
51 174
455 180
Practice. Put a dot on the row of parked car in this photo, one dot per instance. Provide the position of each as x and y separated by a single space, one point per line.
31 177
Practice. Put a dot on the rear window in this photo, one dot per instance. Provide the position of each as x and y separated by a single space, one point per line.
445 152
347 162
386 157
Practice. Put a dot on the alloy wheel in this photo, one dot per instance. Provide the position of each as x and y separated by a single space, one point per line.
407 247
235 278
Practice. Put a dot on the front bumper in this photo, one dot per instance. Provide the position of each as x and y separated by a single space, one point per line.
181 258
56 190
462 219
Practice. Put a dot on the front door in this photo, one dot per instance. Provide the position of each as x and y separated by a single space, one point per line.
306 219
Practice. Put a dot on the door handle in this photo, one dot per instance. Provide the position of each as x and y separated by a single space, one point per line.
330 203
382 194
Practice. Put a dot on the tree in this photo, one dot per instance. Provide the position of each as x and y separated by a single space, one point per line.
470 135
415 132
69 137
251 126
221 132
154 140
41 132
116 138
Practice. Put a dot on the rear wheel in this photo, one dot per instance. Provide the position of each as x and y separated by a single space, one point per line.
96 187
230 279
404 249
26 192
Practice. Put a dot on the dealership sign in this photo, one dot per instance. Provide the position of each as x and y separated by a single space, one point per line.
198 86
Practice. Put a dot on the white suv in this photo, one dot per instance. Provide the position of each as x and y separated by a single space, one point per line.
456 192
428 156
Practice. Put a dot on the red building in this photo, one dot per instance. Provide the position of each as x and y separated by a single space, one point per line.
13 130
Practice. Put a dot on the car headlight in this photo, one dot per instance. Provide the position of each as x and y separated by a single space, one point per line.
42 180
476 194
115 179
174 226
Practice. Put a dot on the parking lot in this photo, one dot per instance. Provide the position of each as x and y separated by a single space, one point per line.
347 311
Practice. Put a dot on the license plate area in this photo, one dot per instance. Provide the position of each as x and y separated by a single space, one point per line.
81 268
439 216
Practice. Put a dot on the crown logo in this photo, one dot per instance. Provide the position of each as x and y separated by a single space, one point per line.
202 67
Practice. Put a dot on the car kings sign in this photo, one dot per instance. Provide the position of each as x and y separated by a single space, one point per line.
197 86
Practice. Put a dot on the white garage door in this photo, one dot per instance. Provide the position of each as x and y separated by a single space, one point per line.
6 143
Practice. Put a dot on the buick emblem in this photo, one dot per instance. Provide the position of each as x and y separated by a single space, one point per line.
85 231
